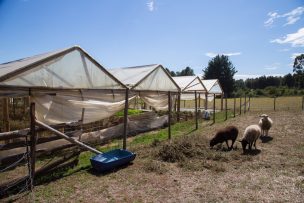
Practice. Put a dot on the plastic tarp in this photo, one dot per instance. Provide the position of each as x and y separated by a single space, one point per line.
152 83
190 83
213 86
86 106
146 78
159 101
70 70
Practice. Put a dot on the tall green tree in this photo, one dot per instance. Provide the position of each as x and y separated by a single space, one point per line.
221 68
298 69
186 72
172 73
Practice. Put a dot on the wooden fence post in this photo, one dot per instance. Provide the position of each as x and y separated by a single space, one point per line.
169 115
245 106
206 101
199 100
226 110
234 102
274 103
32 145
240 105
196 116
302 103
213 108
125 130
6 115
249 103
178 107
222 101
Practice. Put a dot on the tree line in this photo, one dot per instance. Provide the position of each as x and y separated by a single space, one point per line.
221 68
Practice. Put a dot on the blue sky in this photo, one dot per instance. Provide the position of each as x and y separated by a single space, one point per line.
260 36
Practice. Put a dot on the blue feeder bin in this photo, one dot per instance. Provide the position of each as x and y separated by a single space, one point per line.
111 159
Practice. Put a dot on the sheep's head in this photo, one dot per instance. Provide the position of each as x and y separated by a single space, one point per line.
213 142
264 117
244 144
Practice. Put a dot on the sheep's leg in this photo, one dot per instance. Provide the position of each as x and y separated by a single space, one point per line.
227 143
255 144
232 144
250 145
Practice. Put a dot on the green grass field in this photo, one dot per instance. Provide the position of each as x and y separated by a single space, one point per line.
255 104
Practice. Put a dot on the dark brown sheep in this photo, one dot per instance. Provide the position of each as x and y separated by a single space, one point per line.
225 134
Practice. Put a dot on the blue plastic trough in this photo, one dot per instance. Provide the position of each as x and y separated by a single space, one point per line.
111 159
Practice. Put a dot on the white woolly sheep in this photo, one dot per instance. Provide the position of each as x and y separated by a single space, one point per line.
251 134
265 123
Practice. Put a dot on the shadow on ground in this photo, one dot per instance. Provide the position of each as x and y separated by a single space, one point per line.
252 152
266 139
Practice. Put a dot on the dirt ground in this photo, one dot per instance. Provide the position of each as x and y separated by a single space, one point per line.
273 173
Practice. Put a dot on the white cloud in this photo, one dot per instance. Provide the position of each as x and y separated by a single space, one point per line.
294 15
150 5
212 54
291 17
273 66
295 39
272 17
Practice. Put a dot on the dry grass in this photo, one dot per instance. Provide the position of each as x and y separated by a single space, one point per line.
186 170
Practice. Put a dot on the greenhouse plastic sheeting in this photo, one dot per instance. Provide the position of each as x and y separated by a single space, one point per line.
192 97
190 83
213 86
157 101
72 70
145 78
86 106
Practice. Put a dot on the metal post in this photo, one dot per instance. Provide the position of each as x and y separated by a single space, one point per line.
32 145
234 102
196 115
240 105
178 106
125 130
213 108
274 103
226 110
169 115
245 106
